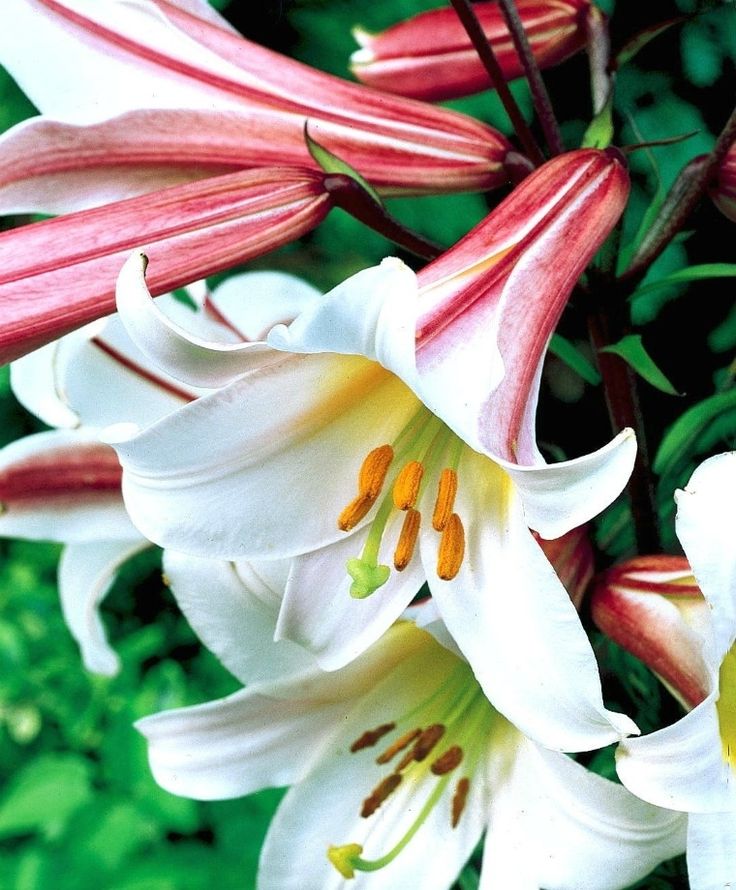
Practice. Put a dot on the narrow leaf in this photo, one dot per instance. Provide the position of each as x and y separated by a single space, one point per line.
330 163
681 438
574 358
691 273
640 40
632 351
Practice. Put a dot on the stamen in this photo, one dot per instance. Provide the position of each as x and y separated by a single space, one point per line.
379 794
406 486
354 512
452 549
443 506
407 540
371 477
373 471
459 799
447 762
427 740
371 736
403 742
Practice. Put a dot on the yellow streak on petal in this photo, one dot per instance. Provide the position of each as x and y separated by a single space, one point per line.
726 707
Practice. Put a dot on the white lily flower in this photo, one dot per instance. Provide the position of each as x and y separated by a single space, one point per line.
64 485
653 607
423 389
398 762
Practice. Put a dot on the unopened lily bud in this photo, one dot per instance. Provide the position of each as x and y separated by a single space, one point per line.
723 191
430 56
572 558
652 607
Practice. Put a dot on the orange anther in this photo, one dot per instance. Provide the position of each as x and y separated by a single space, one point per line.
447 761
452 549
399 745
354 512
373 471
406 486
379 794
407 540
443 506
371 736
459 799
427 740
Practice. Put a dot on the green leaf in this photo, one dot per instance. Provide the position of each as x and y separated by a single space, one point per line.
574 358
632 351
691 273
45 794
683 436
332 164
640 40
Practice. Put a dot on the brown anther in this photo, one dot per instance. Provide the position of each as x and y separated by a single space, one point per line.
407 540
379 794
354 512
427 740
403 742
371 736
443 506
447 761
452 549
459 799
406 486
373 471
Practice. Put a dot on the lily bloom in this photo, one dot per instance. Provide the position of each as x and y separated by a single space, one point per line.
64 485
136 96
391 758
59 274
419 391
430 56
687 636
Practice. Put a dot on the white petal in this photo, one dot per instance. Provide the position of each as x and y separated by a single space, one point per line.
711 851
319 613
34 382
680 766
184 356
229 476
516 624
561 496
230 618
556 825
706 516
266 735
253 302
62 485
86 573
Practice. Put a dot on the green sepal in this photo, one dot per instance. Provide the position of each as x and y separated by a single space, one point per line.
600 130
330 163
632 351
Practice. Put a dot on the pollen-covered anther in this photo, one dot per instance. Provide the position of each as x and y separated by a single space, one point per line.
407 540
452 549
371 478
379 794
395 747
447 761
427 740
406 485
459 799
443 506
371 736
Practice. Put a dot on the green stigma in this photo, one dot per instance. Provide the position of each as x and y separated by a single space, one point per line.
367 577
345 858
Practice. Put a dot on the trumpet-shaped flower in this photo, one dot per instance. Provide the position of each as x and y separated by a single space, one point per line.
430 56
59 274
141 94
653 607
392 759
64 485
447 472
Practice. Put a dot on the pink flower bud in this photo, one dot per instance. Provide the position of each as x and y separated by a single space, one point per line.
652 607
572 558
430 56
723 191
